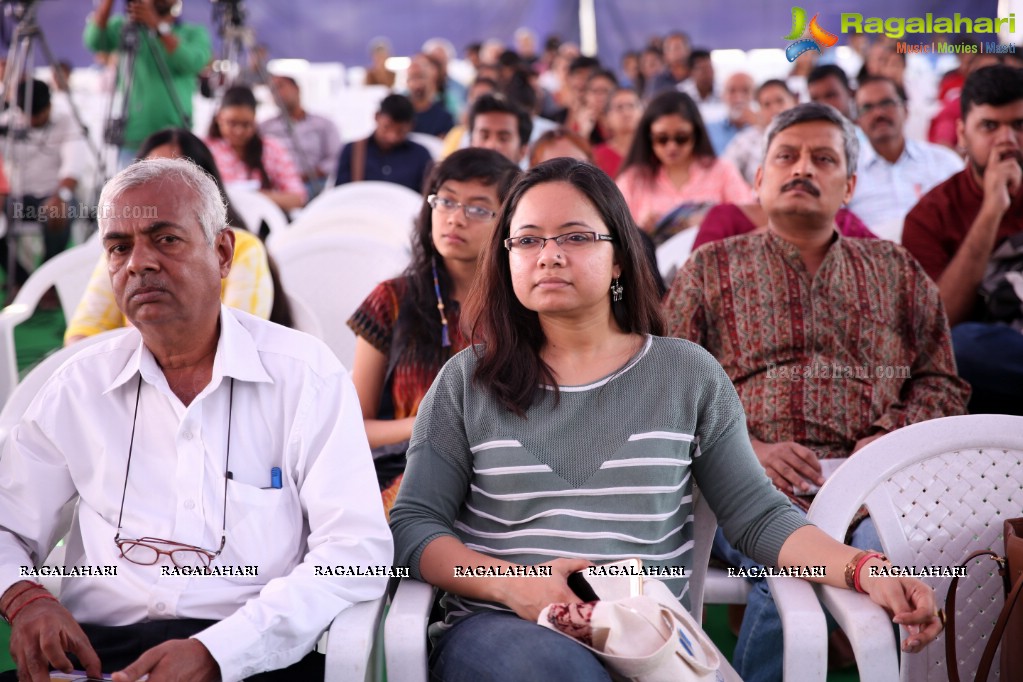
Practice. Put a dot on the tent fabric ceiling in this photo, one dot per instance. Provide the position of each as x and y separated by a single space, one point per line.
330 30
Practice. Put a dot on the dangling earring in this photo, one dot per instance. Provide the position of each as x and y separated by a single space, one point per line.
616 290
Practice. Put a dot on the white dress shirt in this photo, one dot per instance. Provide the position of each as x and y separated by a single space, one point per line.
885 192
49 154
294 407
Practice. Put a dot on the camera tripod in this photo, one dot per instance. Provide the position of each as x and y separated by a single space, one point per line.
20 66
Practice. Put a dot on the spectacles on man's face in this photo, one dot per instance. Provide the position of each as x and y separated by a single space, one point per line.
680 139
569 240
885 104
470 211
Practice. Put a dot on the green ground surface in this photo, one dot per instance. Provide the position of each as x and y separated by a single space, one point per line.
44 332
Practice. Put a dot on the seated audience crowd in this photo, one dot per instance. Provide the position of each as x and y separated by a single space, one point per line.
527 391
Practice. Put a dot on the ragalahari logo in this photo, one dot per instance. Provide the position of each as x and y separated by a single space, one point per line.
807 38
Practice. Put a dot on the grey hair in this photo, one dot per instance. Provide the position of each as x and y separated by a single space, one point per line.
210 209
816 111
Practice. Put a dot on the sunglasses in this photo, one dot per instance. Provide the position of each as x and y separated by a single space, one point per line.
680 139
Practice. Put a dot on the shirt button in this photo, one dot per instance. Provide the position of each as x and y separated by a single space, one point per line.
189 504
386 170
187 435
161 606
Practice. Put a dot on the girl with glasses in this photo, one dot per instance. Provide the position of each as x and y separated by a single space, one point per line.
572 432
672 162
407 327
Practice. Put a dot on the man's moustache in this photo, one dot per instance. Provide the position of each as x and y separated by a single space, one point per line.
805 184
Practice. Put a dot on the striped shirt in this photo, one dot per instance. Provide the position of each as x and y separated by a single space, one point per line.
606 474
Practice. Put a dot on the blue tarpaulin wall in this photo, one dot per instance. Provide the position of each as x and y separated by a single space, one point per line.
332 30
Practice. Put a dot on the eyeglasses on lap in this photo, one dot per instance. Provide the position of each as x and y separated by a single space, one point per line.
569 240
144 552
471 212
680 139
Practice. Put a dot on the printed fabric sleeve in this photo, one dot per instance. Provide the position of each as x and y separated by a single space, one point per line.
340 500
248 286
685 310
97 312
439 468
754 516
375 318
933 389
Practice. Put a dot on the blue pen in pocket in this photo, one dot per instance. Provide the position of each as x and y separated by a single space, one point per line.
275 477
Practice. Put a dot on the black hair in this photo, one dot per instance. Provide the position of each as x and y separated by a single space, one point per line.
867 80
697 55
824 71
774 83
490 104
252 155
583 62
995 85
398 108
671 102
417 331
511 336
605 74
40 96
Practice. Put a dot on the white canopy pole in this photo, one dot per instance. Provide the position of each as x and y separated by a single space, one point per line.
587 28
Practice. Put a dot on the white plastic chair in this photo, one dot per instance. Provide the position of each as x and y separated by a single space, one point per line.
381 210
433 144
405 645
255 208
673 253
350 640
936 491
330 275
69 272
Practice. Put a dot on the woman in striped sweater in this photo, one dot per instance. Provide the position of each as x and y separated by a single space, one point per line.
573 433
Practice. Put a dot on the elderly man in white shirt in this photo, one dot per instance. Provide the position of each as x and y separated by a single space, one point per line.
220 462
893 171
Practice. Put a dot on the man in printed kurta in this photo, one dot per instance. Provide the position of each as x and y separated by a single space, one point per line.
830 342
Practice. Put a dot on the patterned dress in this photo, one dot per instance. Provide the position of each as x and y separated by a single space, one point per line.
410 379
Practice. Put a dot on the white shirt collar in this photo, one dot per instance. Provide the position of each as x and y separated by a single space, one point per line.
236 357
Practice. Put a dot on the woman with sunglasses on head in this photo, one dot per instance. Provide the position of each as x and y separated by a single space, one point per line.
408 327
672 162
243 155
573 432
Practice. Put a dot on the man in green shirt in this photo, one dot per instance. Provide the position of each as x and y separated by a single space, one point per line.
185 48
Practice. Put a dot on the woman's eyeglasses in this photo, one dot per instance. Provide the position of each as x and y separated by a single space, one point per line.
470 211
681 139
569 240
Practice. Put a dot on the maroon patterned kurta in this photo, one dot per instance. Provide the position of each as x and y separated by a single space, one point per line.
860 348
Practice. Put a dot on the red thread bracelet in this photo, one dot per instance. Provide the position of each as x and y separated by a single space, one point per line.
31 586
44 595
859 566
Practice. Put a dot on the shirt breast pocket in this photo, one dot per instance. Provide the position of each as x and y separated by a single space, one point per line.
264 528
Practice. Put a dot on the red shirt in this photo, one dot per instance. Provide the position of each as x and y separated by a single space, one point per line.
607 159
937 225
728 220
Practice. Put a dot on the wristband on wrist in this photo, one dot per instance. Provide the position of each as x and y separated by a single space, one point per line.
44 595
859 566
27 588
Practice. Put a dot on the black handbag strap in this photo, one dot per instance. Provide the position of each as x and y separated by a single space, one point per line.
988 657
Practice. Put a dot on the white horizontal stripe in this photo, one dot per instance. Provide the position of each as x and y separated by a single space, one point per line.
491 444
506 471
679 551
662 435
587 492
645 462
604 516
574 534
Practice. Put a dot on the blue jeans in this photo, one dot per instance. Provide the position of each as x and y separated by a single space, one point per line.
494 646
990 358
758 653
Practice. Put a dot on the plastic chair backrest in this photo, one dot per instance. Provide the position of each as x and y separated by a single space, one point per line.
331 274
936 491
254 208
